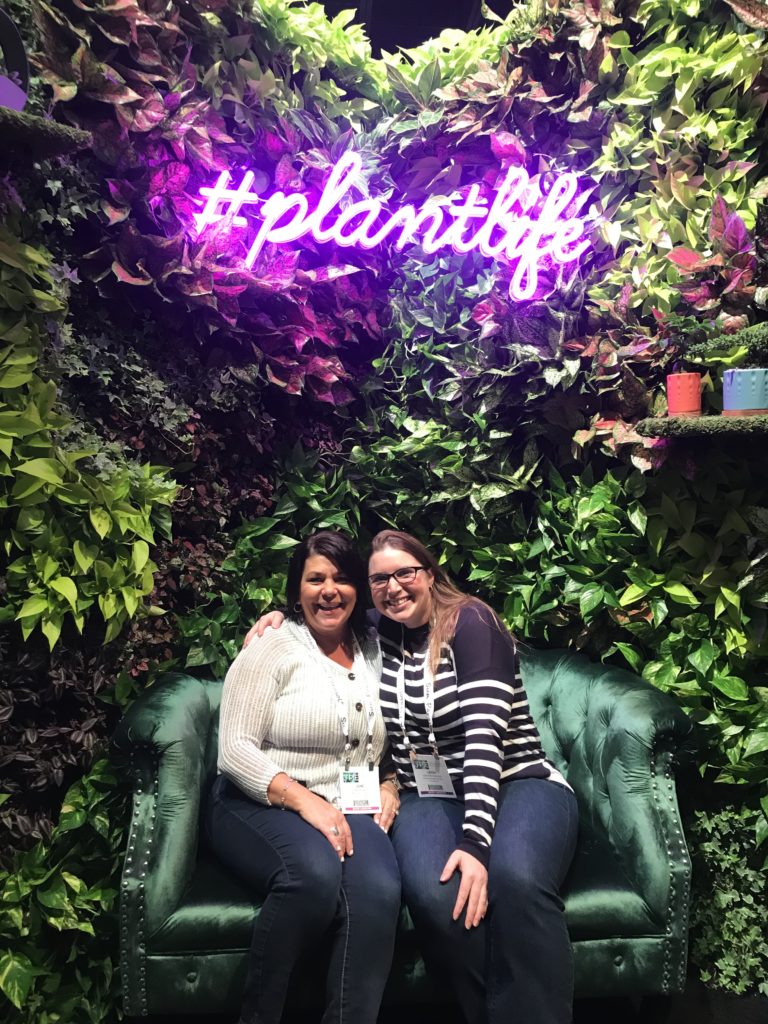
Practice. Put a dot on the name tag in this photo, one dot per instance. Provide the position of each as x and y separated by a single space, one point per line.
359 790
432 776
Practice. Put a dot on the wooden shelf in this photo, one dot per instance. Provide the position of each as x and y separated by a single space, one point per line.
704 426
29 137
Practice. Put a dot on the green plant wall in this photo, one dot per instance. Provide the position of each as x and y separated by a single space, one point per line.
171 425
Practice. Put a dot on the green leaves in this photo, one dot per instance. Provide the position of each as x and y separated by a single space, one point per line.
100 520
43 469
308 498
501 433
66 587
16 976
590 597
731 686
703 657
680 593
63 885
74 539
729 936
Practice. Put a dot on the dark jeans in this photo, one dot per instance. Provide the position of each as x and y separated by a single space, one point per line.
312 900
517 966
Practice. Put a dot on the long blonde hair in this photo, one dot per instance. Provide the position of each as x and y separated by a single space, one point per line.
447 599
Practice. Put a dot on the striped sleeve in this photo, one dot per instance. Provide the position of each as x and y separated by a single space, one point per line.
489 689
247 704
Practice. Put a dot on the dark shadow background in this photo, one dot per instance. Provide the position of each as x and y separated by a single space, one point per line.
406 23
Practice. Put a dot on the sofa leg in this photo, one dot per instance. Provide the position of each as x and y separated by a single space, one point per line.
654 1010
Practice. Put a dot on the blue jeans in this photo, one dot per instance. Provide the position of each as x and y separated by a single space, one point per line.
311 900
517 966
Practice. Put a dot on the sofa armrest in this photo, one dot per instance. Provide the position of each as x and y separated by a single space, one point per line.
160 747
615 737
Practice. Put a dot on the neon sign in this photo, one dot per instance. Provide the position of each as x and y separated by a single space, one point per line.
521 224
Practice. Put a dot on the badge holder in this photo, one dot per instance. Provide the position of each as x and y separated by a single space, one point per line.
359 790
432 775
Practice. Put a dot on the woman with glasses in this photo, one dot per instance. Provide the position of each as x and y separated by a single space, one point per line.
487 826
300 812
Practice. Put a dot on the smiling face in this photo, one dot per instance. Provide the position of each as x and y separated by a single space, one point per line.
327 597
407 603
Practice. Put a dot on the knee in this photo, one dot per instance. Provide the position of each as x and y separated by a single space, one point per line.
511 885
316 879
431 906
385 895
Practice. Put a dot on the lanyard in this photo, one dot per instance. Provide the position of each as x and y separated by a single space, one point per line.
342 702
342 706
428 681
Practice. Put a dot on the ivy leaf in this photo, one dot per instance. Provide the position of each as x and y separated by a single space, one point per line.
757 743
66 587
51 628
102 523
589 598
71 818
16 976
32 606
703 657
54 895
639 518
84 556
732 687
631 594
43 469
282 543
631 654
682 594
139 555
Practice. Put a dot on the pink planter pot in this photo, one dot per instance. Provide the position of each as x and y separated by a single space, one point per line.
684 394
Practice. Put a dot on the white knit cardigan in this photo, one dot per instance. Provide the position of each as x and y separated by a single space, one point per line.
279 712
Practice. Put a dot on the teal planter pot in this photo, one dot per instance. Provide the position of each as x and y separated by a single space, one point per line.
12 86
745 392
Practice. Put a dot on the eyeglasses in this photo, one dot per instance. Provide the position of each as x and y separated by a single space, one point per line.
407 574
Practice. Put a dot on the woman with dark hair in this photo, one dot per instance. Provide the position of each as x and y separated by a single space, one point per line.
487 825
299 811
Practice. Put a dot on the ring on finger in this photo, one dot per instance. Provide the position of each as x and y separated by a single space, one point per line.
335 831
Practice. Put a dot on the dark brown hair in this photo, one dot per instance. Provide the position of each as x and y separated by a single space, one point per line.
340 549
447 599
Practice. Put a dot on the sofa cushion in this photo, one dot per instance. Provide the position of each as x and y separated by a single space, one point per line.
600 901
217 913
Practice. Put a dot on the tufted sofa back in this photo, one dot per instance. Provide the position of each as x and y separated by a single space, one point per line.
602 727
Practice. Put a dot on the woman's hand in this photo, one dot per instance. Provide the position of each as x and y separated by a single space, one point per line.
273 619
473 891
390 806
326 819
285 792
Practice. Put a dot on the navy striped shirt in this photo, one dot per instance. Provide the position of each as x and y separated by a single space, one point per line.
482 721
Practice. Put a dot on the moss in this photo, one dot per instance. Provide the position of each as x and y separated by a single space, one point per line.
26 136
753 339
703 426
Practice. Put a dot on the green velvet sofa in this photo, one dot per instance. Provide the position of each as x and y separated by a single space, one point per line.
185 922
